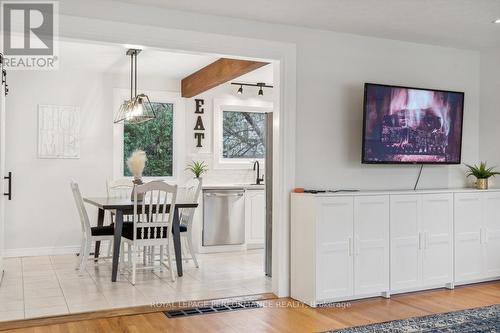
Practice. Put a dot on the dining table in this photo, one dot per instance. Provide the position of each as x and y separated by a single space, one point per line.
125 207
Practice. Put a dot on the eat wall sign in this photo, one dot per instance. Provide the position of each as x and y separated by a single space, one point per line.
199 128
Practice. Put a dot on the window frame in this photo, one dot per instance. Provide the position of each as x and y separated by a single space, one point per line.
178 131
220 106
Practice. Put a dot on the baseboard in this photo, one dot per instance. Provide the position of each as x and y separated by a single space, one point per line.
472 281
40 251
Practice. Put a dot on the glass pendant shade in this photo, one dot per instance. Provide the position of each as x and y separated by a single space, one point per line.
138 108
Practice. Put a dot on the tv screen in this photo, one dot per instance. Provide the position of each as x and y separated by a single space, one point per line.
412 125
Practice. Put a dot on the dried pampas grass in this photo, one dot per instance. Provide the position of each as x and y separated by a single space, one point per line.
136 163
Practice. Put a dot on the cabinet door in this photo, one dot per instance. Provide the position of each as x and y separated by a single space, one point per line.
255 218
491 234
405 242
468 247
437 231
334 234
371 244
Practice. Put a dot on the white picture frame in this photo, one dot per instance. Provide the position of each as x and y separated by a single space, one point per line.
58 131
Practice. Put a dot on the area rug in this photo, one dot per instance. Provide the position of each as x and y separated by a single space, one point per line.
484 320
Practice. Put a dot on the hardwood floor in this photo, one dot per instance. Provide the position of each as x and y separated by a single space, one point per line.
286 315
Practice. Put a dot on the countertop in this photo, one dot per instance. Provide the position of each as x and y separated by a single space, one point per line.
384 192
233 187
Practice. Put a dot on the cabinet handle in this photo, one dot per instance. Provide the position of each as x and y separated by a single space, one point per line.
349 249
420 241
9 185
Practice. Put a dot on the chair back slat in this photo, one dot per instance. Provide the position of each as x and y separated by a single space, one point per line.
80 206
153 219
191 194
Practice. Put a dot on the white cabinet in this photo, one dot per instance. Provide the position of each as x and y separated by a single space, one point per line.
468 243
491 234
334 235
437 239
421 241
255 218
340 247
477 236
371 244
405 251
366 244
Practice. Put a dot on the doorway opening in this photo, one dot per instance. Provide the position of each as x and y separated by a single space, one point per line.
231 229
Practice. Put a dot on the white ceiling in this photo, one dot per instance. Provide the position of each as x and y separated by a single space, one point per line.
111 58
460 23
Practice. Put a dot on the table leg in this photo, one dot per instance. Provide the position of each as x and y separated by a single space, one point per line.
100 223
176 230
116 243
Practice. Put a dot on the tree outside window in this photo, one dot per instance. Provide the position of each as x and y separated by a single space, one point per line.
155 137
244 135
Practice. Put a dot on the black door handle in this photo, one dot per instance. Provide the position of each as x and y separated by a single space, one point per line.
9 186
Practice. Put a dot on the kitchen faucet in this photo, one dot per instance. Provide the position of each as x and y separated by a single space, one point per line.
259 179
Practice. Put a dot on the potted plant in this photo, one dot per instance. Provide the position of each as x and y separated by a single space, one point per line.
482 174
197 168
136 164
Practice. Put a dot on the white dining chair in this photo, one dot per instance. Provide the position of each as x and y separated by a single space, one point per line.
191 194
119 188
90 234
152 224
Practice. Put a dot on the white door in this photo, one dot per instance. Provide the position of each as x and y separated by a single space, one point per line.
405 242
491 235
2 168
468 239
437 231
255 218
371 244
334 234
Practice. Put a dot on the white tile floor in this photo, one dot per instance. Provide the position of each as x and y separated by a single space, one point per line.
50 285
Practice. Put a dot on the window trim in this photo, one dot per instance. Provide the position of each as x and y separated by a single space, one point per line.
178 132
236 106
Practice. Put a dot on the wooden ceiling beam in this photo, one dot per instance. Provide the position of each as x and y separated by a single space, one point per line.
217 73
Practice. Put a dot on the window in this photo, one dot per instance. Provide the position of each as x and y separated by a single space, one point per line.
243 135
155 137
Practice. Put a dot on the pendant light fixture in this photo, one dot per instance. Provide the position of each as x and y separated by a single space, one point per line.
138 108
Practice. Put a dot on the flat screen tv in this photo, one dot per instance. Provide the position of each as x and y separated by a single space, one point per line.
403 125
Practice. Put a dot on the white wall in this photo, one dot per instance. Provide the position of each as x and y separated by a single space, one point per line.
330 100
331 69
42 213
489 135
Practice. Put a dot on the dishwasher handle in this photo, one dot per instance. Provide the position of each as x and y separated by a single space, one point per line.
224 195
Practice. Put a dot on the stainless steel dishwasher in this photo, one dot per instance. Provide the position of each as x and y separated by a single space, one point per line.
223 217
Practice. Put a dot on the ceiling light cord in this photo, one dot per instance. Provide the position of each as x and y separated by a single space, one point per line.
135 72
131 77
